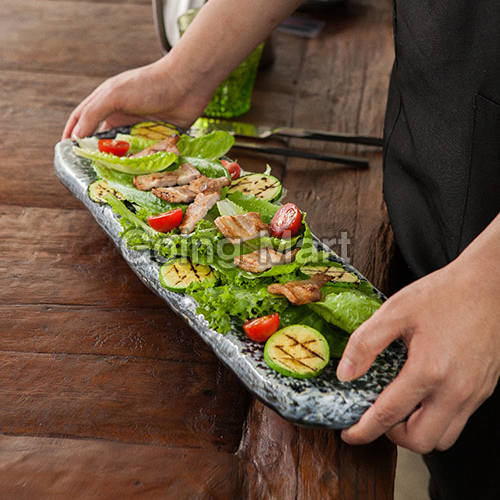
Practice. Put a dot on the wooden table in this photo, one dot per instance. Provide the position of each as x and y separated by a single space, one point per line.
104 392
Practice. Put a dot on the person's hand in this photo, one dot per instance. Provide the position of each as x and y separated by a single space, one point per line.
450 323
147 93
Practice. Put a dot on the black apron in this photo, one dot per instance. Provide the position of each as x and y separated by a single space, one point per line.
442 159
442 180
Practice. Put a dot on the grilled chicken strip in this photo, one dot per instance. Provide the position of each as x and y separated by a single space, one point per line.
176 194
169 144
263 259
183 175
239 228
186 173
301 292
198 209
203 201
185 194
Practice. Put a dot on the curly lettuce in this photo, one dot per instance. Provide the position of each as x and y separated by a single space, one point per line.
222 305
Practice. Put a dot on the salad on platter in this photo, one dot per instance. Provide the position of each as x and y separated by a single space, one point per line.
247 259
220 245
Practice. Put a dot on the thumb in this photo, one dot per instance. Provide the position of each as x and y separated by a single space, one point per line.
366 343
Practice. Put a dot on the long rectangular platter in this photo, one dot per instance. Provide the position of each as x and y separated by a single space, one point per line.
323 401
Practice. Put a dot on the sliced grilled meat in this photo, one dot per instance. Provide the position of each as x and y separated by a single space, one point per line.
301 292
176 194
186 173
238 228
211 190
263 259
179 177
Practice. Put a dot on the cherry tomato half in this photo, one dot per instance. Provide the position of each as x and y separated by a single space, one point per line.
113 146
260 329
233 168
166 221
286 221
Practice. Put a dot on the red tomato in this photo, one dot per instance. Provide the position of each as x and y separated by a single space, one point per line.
166 221
233 168
286 221
260 329
113 146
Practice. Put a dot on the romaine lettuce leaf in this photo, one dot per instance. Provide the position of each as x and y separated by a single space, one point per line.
250 203
128 219
210 146
228 207
346 309
210 168
144 165
124 184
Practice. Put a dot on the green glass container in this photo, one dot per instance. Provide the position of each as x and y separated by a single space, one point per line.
233 96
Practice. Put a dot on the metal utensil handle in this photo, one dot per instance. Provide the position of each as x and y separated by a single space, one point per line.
287 152
328 136
160 25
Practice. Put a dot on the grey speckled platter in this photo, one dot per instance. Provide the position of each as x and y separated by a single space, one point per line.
320 402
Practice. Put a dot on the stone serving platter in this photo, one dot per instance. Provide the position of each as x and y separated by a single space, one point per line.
323 401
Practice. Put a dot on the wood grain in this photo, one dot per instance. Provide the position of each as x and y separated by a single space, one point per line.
150 401
74 38
58 469
286 462
153 333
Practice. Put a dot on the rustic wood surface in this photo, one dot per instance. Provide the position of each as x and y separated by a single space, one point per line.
105 393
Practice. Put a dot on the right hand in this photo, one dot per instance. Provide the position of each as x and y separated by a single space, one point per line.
146 93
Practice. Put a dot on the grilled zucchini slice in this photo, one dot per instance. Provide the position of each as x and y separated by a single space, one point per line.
176 275
155 131
262 186
337 273
99 189
297 351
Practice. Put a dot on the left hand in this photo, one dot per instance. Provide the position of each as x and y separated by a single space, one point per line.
450 323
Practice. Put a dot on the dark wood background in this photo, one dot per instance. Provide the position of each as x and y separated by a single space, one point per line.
104 392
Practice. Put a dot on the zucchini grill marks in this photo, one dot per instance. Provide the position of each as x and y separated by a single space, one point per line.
178 274
297 351
184 270
262 186
333 272
300 353
154 130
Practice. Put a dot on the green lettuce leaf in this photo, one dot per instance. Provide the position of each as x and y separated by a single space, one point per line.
223 305
228 207
129 220
346 309
210 146
144 165
210 168
250 203
124 184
